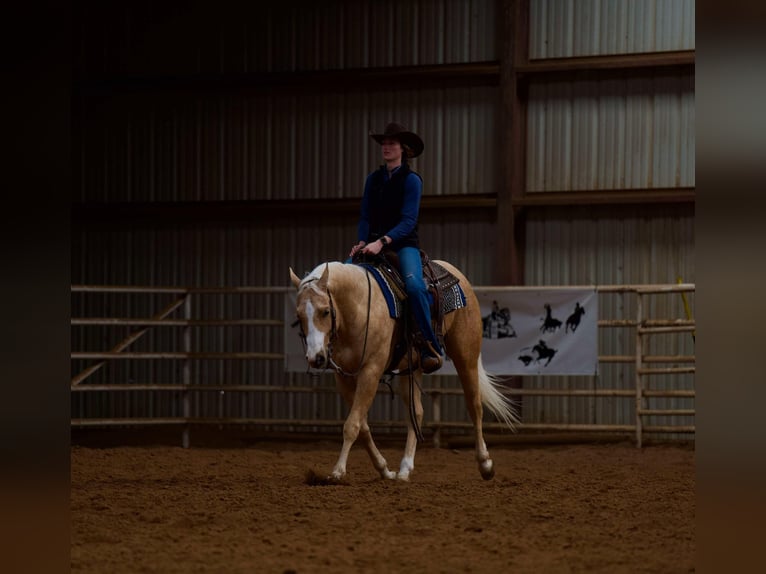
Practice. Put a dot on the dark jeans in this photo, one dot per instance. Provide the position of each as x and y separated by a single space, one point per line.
412 272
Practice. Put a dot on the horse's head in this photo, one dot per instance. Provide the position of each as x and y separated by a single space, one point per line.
316 315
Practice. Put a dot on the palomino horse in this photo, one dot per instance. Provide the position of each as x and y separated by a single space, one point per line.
347 327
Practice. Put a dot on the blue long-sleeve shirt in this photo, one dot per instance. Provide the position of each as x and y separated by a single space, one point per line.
413 189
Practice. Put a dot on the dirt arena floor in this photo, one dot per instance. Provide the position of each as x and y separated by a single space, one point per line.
559 508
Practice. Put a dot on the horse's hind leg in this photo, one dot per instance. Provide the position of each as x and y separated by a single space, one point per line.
469 379
356 426
408 460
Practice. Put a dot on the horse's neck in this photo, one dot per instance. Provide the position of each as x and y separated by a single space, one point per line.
346 286
341 280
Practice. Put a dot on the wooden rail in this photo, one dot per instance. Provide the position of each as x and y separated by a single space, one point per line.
643 328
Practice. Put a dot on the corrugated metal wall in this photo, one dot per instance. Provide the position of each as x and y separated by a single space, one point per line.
566 28
583 246
611 134
122 38
282 147
186 147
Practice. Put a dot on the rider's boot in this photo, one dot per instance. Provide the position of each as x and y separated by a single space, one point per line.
430 358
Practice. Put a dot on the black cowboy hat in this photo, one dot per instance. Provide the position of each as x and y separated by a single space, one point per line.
407 138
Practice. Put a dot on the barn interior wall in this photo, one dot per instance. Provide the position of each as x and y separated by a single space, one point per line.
625 132
615 134
182 38
630 246
275 146
148 146
571 28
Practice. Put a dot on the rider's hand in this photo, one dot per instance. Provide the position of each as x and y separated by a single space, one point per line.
356 248
373 248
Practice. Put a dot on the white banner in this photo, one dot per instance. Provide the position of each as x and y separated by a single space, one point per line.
540 332
526 332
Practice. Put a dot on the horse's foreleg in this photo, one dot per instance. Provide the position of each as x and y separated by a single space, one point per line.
378 461
356 425
408 460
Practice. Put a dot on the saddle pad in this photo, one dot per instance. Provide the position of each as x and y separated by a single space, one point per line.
393 302
451 293
452 298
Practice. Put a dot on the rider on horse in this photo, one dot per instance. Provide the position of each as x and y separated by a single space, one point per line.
389 220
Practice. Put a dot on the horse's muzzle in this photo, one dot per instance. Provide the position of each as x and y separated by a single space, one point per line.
318 361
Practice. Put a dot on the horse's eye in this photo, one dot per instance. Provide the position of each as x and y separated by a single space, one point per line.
325 313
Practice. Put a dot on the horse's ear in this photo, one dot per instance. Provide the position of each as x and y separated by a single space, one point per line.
294 278
322 283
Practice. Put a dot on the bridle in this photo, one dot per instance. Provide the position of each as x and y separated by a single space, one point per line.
334 331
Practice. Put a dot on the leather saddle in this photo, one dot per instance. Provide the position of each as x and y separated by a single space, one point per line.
407 336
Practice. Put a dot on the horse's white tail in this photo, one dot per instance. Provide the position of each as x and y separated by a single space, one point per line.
495 401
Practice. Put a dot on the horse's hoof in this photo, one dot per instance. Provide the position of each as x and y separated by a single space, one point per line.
388 474
313 479
403 476
487 469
